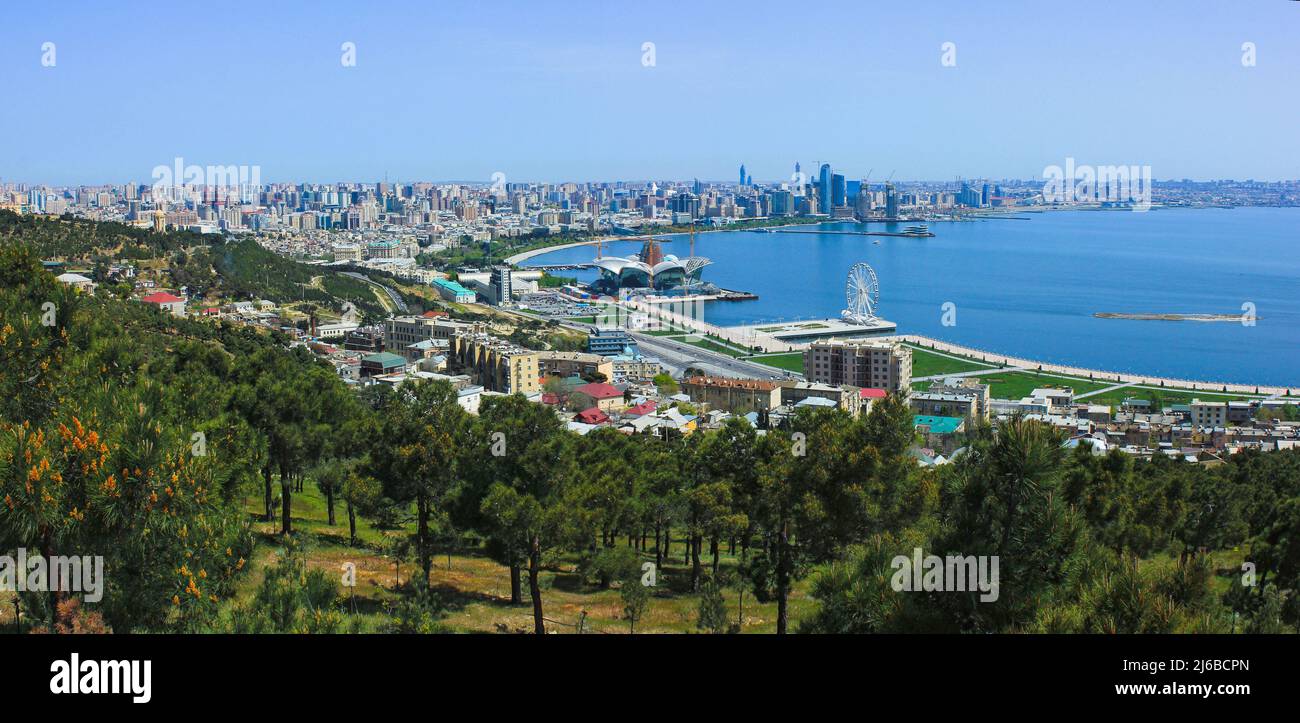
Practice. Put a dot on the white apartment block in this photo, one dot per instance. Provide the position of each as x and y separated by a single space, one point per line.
860 363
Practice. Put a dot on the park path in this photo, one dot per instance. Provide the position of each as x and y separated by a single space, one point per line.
1085 395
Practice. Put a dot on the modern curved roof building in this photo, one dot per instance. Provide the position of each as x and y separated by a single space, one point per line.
649 270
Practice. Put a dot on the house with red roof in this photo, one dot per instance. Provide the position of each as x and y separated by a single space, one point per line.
606 396
641 409
868 397
592 416
166 302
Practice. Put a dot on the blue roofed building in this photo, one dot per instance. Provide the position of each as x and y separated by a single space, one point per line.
611 342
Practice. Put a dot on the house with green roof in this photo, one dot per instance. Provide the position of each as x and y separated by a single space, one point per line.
382 363
940 433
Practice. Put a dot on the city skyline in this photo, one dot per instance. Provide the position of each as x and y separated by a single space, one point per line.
558 94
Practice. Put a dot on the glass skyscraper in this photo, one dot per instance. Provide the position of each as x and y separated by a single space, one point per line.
824 189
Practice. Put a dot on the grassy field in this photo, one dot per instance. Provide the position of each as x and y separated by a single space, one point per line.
1015 385
1167 396
711 345
788 362
476 590
927 363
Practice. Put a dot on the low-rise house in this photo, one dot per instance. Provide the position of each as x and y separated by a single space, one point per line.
975 392
845 397
640 425
381 363
170 303
673 419
641 408
1057 398
78 282
940 404
593 416
607 397
939 432
469 398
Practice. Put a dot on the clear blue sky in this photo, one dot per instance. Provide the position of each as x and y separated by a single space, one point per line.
552 91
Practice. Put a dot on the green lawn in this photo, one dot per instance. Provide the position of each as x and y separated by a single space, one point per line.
788 362
927 363
1167 396
714 346
1015 385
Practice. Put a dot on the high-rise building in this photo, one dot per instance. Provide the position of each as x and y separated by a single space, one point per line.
891 201
824 189
863 204
502 287
839 192
862 363
782 203
742 174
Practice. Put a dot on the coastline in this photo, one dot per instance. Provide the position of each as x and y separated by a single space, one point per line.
1096 374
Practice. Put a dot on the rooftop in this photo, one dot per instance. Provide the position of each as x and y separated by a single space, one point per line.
599 390
385 359
722 382
938 425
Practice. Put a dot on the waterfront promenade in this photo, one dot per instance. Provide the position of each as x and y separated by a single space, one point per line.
1095 374
525 255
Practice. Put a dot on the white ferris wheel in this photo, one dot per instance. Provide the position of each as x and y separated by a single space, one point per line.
862 294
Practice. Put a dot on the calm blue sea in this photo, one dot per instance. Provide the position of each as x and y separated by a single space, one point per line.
1030 287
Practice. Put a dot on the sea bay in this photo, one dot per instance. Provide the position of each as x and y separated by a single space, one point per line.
1030 287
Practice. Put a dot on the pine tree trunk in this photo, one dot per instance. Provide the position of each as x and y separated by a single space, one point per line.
352 526
534 569
286 502
713 547
422 537
270 510
659 550
329 504
516 594
783 581
697 541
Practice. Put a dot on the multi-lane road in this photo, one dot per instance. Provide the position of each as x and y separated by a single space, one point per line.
680 355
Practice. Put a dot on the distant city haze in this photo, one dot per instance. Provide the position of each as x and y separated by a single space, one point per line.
562 91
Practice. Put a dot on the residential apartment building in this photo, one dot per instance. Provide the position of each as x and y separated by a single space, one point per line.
845 397
495 364
860 363
1209 414
954 397
733 395
574 363
939 404
401 332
